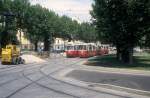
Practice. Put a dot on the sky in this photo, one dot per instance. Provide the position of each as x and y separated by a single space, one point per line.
76 9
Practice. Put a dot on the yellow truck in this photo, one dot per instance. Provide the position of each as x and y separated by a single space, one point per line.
11 55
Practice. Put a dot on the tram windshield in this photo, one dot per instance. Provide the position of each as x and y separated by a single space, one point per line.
70 47
82 47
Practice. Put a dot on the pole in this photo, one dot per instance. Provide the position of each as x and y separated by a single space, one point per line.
20 35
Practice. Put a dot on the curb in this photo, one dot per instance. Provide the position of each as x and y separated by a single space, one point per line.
117 70
123 91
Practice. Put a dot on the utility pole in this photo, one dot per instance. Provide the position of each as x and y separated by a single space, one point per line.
20 36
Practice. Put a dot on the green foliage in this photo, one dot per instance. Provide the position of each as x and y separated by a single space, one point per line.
19 8
43 25
141 62
8 21
122 22
87 32
33 24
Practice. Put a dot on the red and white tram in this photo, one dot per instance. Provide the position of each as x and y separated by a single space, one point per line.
103 50
87 50
71 51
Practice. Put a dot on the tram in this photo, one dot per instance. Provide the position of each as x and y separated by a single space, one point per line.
82 51
87 50
92 49
102 50
71 51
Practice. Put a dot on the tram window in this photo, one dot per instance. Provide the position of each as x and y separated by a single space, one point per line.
84 47
93 48
75 47
90 47
79 47
70 47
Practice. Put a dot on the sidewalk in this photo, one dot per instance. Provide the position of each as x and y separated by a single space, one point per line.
112 80
116 70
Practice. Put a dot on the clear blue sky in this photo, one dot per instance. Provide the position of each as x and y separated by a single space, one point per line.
76 9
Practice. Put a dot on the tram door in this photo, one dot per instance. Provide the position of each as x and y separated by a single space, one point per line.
83 51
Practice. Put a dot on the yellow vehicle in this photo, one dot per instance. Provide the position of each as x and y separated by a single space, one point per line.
11 55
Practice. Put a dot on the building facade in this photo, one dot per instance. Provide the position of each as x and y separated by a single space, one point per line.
25 43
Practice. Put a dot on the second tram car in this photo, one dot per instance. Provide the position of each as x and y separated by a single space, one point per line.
103 50
83 51
87 50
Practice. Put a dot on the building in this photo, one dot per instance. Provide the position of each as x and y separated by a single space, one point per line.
60 44
25 43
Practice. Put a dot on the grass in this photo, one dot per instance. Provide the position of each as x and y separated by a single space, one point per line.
141 62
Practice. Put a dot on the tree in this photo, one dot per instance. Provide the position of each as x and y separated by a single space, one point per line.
33 24
121 22
65 30
19 8
41 25
72 30
8 18
87 33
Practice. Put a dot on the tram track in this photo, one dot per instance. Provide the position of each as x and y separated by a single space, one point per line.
20 77
17 79
51 78
51 89
67 83
32 82
12 67
18 90
7 66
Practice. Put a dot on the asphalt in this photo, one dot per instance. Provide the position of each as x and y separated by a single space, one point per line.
37 80
139 82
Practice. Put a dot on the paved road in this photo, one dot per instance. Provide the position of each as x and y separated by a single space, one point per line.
125 80
37 81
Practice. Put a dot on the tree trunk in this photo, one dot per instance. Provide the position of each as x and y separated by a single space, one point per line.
127 55
36 46
131 55
46 44
119 53
20 38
